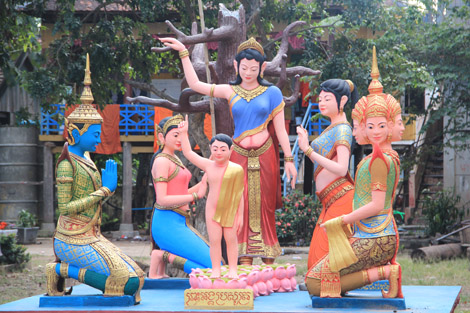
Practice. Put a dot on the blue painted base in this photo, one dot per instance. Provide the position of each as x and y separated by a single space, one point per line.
360 299
167 283
419 299
85 301
378 285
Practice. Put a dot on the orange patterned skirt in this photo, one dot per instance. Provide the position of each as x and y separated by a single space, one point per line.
337 199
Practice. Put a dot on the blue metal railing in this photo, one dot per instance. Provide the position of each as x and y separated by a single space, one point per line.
52 122
312 127
135 119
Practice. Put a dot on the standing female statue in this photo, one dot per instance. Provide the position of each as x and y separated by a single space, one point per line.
82 252
257 109
369 254
179 243
330 152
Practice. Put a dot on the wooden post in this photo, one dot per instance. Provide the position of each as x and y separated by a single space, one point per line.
126 227
48 226
208 73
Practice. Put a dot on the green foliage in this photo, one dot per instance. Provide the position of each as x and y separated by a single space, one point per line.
108 223
419 46
442 212
26 219
12 252
26 119
296 220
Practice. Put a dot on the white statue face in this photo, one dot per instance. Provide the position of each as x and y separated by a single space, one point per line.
172 140
249 70
398 128
358 133
327 104
376 129
220 152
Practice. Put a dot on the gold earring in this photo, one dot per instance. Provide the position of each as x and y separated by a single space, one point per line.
340 110
389 137
261 75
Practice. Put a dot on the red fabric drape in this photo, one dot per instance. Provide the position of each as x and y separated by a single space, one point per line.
110 140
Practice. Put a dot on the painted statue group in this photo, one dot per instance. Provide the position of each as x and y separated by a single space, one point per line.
355 240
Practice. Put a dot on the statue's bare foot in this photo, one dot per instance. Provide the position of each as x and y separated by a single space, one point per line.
232 273
158 276
215 273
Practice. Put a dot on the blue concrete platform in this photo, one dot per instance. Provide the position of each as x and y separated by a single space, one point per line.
81 301
167 283
360 299
419 299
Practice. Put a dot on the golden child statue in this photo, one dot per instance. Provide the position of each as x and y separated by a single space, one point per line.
82 252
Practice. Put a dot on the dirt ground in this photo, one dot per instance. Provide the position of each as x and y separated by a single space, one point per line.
32 280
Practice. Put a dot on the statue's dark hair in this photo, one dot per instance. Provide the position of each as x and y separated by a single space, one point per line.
250 54
223 138
340 88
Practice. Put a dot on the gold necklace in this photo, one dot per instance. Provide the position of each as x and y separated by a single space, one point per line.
249 95
172 158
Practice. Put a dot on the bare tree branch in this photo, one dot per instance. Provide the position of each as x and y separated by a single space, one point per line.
295 94
148 87
284 47
271 42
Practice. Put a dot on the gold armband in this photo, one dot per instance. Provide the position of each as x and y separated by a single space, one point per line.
195 197
309 151
64 180
184 53
212 90
103 192
289 159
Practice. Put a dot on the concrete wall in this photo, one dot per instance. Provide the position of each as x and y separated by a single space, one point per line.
457 168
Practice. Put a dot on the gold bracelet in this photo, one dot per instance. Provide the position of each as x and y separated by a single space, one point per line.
309 151
289 159
212 90
183 53
195 197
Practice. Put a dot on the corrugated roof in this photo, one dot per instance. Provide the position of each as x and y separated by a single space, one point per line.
89 5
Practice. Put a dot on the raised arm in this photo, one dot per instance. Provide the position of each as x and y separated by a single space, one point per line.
220 91
192 156
339 167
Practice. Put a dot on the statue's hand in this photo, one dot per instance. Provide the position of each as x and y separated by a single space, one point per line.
291 173
302 137
173 43
202 187
183 126
109 175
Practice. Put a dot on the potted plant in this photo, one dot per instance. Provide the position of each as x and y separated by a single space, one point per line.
27 229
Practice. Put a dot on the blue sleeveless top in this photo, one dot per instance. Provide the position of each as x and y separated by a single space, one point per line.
251 114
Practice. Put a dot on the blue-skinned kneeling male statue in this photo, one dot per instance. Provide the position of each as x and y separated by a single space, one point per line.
82 252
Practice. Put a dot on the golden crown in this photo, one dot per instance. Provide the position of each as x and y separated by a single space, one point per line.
376 107
358 111
172 121
375 87
393 106
251 44
85 113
